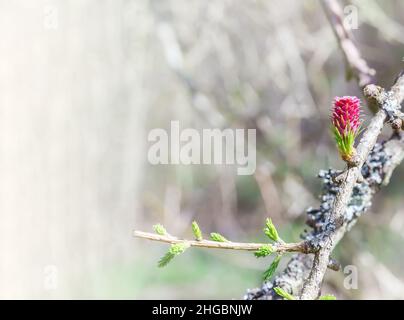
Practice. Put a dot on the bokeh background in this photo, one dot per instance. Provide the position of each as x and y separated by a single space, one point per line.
82 82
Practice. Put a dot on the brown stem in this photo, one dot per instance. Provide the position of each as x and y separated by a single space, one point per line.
278 247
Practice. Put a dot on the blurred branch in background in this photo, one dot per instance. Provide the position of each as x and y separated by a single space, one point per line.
356 66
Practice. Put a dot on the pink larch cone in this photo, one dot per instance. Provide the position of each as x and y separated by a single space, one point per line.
346 124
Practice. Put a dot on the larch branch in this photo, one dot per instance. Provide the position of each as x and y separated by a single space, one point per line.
390 101
302 246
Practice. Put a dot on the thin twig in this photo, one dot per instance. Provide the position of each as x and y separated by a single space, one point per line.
278 247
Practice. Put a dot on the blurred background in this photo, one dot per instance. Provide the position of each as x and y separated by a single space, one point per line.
82 83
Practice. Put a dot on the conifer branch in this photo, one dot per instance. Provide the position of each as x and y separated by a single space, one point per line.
302 246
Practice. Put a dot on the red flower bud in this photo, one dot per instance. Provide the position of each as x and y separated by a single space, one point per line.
346 124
